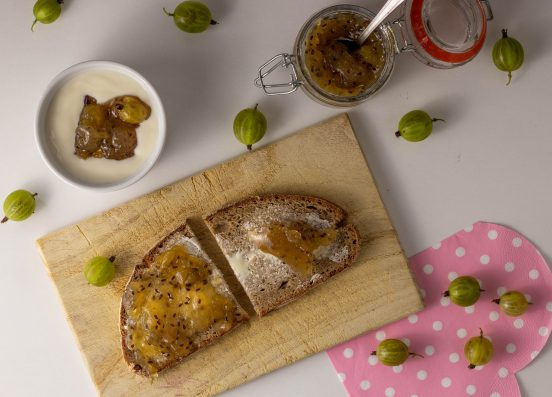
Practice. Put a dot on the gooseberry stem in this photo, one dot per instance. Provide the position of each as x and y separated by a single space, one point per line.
167 13
497 301
446 293
213 22
398 134
504 33
112 258
33 25
434 120
4 219
471 366
415 354
249 147
509 78
373 353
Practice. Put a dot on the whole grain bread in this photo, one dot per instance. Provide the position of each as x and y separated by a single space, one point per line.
184 236
267 280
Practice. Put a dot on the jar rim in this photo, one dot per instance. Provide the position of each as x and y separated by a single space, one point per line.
384 32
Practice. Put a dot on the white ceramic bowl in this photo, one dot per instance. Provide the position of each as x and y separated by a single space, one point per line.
60 165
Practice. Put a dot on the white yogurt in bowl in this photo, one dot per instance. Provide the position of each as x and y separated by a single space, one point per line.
58 117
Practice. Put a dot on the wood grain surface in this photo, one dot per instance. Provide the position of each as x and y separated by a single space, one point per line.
323 160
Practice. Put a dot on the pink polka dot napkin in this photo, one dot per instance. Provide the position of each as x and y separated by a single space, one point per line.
501 259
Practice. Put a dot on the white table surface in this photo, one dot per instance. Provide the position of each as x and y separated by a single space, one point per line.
492 160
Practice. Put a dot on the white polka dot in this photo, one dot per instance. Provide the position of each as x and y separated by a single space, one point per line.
406 341
414 395
495 394
397 369
422 375
549 306
428 269
461 333
454 358
503 372
446 382
389 392
365 384
348 352
480 283
460 252
445 301
471 389
423 292
518 323
534 354
413 319
436 246
373 360
452 276
485 259
469 309
543 331
534 274
479 367
500 291
468 228
493 234
509 266
528 297
341 376
429 350
437 325
380 335
516 242
511 348
493 316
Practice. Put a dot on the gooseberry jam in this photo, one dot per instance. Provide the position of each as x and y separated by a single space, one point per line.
336 68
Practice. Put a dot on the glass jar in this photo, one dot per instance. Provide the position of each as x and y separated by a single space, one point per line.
440 33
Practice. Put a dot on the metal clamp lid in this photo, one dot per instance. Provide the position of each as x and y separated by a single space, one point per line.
286 62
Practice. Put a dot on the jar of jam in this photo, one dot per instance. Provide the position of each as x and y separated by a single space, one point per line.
440 33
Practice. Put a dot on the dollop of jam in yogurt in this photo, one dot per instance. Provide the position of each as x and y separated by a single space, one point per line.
333 66
108 129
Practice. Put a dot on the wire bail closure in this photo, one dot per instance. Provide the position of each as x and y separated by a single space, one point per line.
284 61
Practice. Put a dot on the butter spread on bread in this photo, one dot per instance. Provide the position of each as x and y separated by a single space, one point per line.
280 246
175 303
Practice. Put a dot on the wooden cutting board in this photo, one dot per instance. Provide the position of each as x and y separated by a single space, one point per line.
324 160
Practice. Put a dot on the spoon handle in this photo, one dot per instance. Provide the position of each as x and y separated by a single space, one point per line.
387 9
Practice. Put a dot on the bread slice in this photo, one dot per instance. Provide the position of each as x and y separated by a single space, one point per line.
175 303
270 281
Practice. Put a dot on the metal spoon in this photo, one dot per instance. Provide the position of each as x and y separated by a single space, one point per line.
355 44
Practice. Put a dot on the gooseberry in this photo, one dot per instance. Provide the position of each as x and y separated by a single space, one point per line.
393 352
464 291
415 126
478 350
130 109
191 16
508 54
19 205
46 11
512 303
99 271
250 126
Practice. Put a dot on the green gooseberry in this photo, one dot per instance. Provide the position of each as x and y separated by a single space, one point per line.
19 205
478 350
250 126
508 54
191 16
99 271
464 291
46 11
393 352
415 126
512 303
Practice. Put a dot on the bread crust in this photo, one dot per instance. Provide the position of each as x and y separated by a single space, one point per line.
231 224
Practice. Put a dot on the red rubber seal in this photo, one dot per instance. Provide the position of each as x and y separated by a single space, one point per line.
433 49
